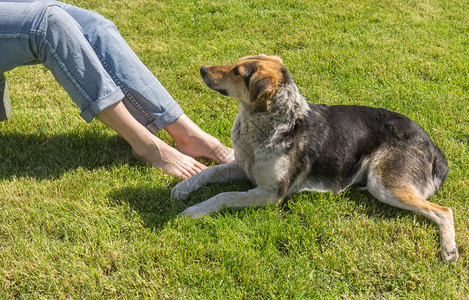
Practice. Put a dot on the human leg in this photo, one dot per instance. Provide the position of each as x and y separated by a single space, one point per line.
39 32
146 99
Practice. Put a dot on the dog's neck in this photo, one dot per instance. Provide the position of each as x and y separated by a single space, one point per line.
288 107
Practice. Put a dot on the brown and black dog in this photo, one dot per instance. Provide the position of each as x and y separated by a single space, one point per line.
284 145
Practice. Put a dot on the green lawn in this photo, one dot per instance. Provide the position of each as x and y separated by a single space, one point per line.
82 218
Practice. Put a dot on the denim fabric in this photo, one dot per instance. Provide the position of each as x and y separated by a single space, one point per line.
87 56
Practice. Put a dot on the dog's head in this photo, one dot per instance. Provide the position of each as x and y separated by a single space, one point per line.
252 80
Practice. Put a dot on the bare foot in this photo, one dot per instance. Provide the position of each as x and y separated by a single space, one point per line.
208 147
170 160
193 141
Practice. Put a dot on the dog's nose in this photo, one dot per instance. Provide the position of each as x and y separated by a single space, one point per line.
203 71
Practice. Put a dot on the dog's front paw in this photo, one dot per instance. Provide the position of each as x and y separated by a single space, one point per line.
193 212
178 192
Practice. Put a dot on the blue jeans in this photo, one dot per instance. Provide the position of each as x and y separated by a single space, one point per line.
87 56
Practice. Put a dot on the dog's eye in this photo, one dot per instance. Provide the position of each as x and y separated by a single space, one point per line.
235 71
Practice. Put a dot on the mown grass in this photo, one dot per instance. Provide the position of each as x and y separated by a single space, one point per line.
81 218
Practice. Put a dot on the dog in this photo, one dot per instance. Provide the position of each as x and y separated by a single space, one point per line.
284 144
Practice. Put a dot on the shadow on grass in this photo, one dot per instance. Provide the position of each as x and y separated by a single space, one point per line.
356 201
157 208
372 207
47 157
154 205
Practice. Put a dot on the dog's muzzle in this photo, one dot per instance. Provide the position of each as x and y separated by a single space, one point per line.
209 81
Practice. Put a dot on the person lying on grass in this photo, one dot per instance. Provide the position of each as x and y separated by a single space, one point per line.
105 78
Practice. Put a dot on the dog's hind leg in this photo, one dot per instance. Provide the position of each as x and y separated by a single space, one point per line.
253 197
216 174
406 196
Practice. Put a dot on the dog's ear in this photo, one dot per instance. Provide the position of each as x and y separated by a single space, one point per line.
260 92
262 87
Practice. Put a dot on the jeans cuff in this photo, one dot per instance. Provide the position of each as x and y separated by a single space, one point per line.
89 113
170 115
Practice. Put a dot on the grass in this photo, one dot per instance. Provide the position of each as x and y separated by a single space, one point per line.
81 218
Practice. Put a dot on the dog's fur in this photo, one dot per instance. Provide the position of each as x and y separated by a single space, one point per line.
284 144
